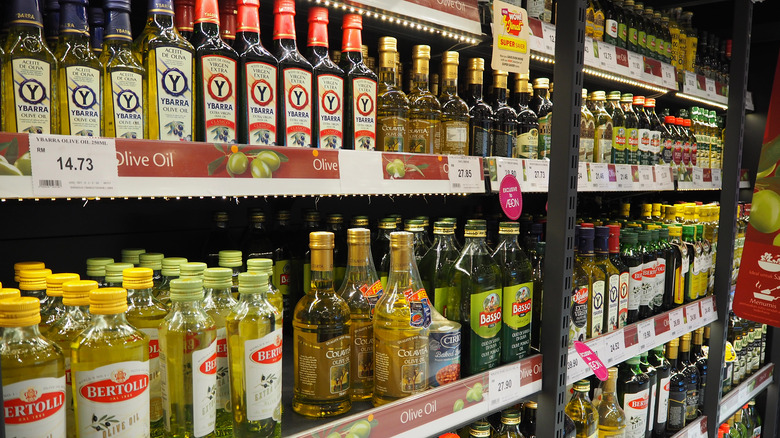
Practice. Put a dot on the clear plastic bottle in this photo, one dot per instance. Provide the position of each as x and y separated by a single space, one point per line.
114 273
171 269
96 269
153 261
32 283
54 308
266 266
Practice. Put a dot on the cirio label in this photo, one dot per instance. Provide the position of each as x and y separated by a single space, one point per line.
261 103
35 408
173 72
83 101
32 95
263 376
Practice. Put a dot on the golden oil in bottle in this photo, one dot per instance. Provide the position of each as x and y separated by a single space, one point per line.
54 308
267 266
170 271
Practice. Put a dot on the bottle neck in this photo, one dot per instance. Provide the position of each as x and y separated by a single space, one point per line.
541 93
140 297
444 240
684 356
12 335
387 68
499 95
284 31
25 13
107 321
254 299
475 91
186 306
318 36
219 297
449 82
420 75
321 270
118 30
352 43
248 23
207 20
77 312
359 255
508 240
73 23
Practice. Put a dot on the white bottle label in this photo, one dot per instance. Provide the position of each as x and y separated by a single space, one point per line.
32 95
297 117
219 98
648 282
263 376
660 281
635 408
597 309
204 390
113 400
261 103
223 374
174 94
623 301
634 287
644 140
655 143
614 303
155 385
663 400
83 101
330 90
70 409
127 93
364 113
35 408
651 409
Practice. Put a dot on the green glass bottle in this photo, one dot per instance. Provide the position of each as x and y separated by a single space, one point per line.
634 395
633 259
632 128
435 267
266 266
694 253
328 82
170 271
359 88
619 136
612 285
415 226
504 118
617 261
380 248
663 369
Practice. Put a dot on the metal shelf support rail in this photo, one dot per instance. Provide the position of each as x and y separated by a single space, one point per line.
561 213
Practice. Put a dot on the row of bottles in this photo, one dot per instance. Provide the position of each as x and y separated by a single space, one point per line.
745 423
745 351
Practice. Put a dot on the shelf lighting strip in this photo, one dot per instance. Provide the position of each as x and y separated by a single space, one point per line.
702 100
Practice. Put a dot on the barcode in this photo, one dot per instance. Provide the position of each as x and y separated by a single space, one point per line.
455 185
49 183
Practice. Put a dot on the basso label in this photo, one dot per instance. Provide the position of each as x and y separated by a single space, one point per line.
35 408
173 68
204 382
364 113
297 115
219 98
400 366
323 366
84 104
263 376
127 92
486 312
223 371
330 133
261 103
456 138
155 388
424 137
516 333
32 95
391 133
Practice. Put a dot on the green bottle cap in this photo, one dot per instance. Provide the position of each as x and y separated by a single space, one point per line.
114 271
260 266
186 289
171 265
252 283
414 225
230 258
218 278
131 255
629 237
151 260
335 219
509 228
96 266
192 269
633 360
388 223
441 227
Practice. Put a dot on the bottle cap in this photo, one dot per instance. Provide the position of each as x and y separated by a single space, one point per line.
335 219
33 279
360 221
387 223
171 266
359 236
114 272
9 292
582 386
54 283
510 416
541 83
388 44
352 21
137 278
687 123
96 266
132 255
321 240
627 97
76 293
678 121
192 269
230 258
20 312
442 227
318 30
186 289
480 429
477 64
401 239
450 58
421 51
108 301
509 228
414 225
260 266
475 230
21 266
151 260
614 95
116 5
252 282
218 278
649 102
598 96
639 100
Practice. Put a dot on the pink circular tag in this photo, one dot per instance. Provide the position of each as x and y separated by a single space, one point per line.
592 360
510 197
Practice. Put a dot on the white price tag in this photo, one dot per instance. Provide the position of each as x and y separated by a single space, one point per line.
646 333
591 53
606 56
636 65
623 176
576 368
465 174
538 172
73 166
677 322
716 179
663 177
614 348
549 38
690 85
600 174
693 316
708 313
583 178
698 178
646 181
712 93
668 76
504 385
510 166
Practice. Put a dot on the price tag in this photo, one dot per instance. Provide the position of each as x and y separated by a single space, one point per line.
465 174
607 58
612 183
623 176
712 91
716 179
510 166
614 348
537 172
693 316
583 178
708 313
690 85
677 322
504 385
668 76
548 31
646 181
599 172
622 65
636 65
646 334
591 53
698 178
73 166
663 177
576 368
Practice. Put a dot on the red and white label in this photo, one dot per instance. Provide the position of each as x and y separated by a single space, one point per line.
219 98
489 318
635 408
364 113
297 116
204 383
35 408
330 90
155 387
261 103
663 399
263 376
223 374
521 308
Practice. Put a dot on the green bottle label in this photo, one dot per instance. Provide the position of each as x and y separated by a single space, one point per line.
306 277
516 335
440 297
485 326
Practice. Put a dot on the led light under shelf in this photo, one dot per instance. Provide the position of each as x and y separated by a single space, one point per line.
702 100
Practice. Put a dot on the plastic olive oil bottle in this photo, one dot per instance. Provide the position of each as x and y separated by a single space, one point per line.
266 266
54 308
171 269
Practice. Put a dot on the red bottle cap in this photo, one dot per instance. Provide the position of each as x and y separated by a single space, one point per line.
284 19
649 102
248 19
639 100
614 239
352 21
352 40
284 7
206 12
669 120
318 27
687 123
227 23
185 15
678 121
586 225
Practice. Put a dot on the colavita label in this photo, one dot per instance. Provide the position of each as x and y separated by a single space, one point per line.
579 314
204 382
424 136
362 360
364 113
401 365
35 408
623 303
83 101
127 92
516 315
155 388
485 327
527 145
113 400
322 370
263 376
223 372
32 95
297 116
330 133
597 309
261 103
613 302
635 407
174 93
391 134
219 98
456 138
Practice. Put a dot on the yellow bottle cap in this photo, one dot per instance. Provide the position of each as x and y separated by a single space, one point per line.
20 312
96 266
107 301
137 278
218 278
132 255
33 279
171 266
186 289
21 266
9 292
260 266
114 272
192 269
252 283
230 258
151 260
54 283
76 293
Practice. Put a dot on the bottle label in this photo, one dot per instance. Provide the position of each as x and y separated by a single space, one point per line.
364 113
597 308
611 28
70 408
362 360
676 418
635 407
401 365
516 317
113 400
648 283
440 299
527 145
651 41
155 390
613 303
174 93
586 149
545 131
666 153
677 153
83 101
219 98
623 32
318 356
598 25
443 357
35 407
204 391
420 314
480 141
485 325
655 143
691 403
282 280
663 400
603 136
456 138
127 92
686 153
635 292
642 38
625 281
608 434
261 103
392 133
263 376
330 89
633 36
372 293
297 117
504 142
619 138
632 144
223 373
32 95
423 136
589 21
579 314
644 144
660 283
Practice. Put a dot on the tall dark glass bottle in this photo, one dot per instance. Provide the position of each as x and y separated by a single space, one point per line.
257 70
257 243
380 248
652 375
360 88
624 282
542 106
692 378
284 274
328 87
633 394
678 390
700 360
185 17
505 125
663 369
527 122
650 262
632 128
632 257
480 113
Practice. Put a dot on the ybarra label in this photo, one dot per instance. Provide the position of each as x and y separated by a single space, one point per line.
223 374
330 90
32 95
204 389
263 376
219 98
127 95
364 113
113 400
261 103
174 93
35 408
83 101
297 115
155 384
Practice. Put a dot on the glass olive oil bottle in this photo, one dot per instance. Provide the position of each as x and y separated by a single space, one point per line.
612 281
254 330
328 84
392 105
424 109
321 329
634 395
359 89
96 269
380 248
542 106
692 378
612 419
632 257
527 123
454 111
581 411
480 113
504 118
435 267
597 283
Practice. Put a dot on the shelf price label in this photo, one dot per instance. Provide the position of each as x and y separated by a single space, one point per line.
600 174
677 322
716 179
636 65
465 174
504 385
73 166
698 178
548 32
711 89
583 177
646 334
663 177
693 316
623 176
510 166
614 347
607 57
576 368
668 76
646 181
690 85
708 312
537 172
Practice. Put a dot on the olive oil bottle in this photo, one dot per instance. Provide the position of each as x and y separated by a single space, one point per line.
424 108
504 118
542 106
597 282
54 308
581 411
634 395
361 289
29 73
188 363
527 123
171 270
392 105
328 83
663 368
632 257
580 299
216 103
624 282
80 77
359 88
254 330
33 373
153 261
612 280
454 111
32 283
114 273
266 266
678 392
612 419
169 62
436 265
99 368
380 249
402 319
321 329
480 113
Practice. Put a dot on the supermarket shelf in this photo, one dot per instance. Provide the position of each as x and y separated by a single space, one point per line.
739 396
697 429
617 346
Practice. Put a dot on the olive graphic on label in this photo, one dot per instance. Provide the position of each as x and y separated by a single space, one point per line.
237 163
458 405
396 168
361 429
333 435
765 214
475 393
259 169
270 159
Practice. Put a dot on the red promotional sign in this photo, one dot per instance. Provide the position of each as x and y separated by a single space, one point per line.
510 197
592 360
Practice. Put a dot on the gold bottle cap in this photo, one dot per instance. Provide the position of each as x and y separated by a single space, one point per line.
401 239
510 416
541 83
54 283
509 228
137 278
599 96
312 216
388 44
9 292
335 219
530 405
321 240
359 236
582 385
186 289
218 278
477 64
252 282
108 301
171 266
450 58
283 215
260 266
499 79
192 269
442 227
421 51
33 279
76 293
20 312
474 230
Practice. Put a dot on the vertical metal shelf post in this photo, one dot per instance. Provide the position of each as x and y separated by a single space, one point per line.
561 213
732 160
